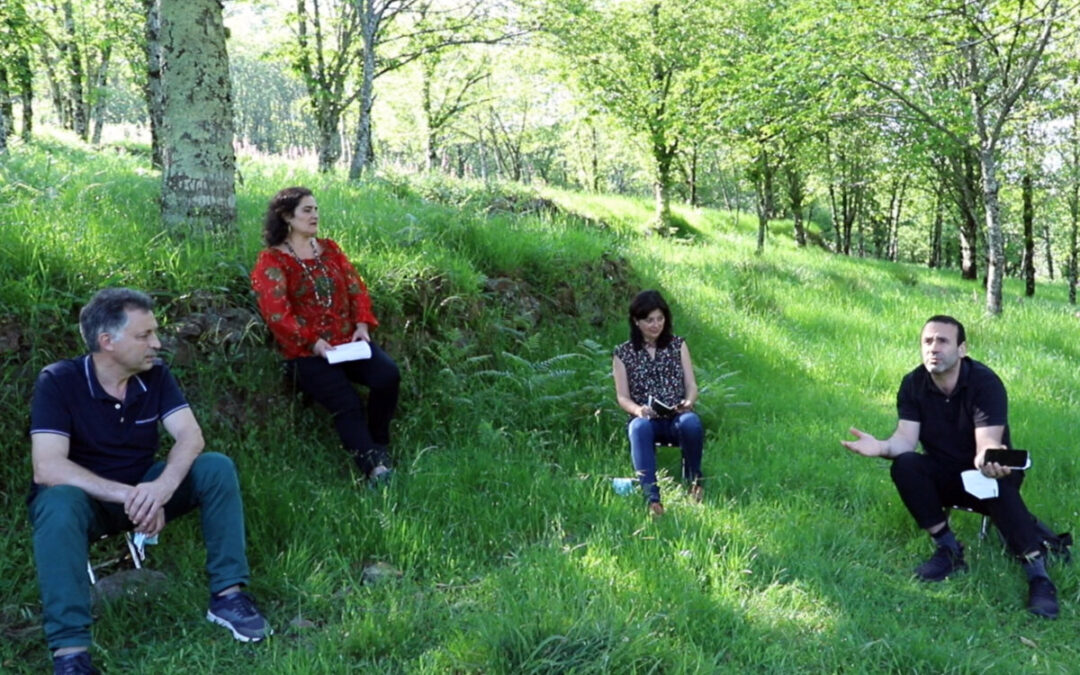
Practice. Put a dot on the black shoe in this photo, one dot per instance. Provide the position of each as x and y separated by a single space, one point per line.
1042 598
79 663
944 562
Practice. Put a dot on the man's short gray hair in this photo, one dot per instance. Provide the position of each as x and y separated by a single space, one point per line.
107 313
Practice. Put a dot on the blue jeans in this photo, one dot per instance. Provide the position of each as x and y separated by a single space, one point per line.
683 430
66 520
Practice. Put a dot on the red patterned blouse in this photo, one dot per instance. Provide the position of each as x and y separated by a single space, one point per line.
291 296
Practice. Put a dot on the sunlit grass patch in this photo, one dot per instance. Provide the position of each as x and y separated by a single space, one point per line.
515 554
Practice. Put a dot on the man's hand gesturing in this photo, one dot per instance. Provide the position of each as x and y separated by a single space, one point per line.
866 445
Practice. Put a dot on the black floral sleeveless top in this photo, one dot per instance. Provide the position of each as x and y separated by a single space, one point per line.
660 377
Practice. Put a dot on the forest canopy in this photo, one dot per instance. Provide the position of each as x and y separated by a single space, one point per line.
929 132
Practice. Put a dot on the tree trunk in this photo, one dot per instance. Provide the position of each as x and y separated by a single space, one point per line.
595 159
55 91
692 177
860 219
327 121
26 93
762 187
431 143
995 243
1027 185
1047 242
364 154
969 224
1074 240
101 81
663 158
76 84
796 196
3 130
896 209
934 260
1074 201
7 111
155 100
197 130
832 218
662 198
849 204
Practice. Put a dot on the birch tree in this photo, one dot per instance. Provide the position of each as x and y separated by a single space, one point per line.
197 119
651 65
989 51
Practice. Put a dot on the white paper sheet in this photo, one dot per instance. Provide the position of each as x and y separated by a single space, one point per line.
350 351
979 485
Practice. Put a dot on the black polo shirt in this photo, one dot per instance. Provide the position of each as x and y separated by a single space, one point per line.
948 423
117 440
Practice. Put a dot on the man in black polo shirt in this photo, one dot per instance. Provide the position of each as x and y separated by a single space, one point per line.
94 436
958 409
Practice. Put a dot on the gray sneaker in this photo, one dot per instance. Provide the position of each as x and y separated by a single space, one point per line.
237 612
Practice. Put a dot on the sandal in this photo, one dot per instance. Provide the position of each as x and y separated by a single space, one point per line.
697 493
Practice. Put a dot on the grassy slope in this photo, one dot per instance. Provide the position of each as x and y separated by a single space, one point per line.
517 556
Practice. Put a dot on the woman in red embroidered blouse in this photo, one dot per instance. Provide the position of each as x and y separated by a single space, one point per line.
313 300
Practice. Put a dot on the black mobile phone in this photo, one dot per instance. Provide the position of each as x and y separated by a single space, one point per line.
1018 459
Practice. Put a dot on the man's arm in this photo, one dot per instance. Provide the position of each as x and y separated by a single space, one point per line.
49 455
146 499
985 439
904 439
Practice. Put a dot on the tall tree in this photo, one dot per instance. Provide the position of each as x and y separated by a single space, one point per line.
423 27
991 50
197 122
440 105
325 54
653 65
18 35
72 56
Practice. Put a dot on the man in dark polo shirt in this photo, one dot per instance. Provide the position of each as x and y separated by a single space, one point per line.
958 409
94 439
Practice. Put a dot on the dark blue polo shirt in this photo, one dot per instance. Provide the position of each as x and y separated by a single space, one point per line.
117 440
948 423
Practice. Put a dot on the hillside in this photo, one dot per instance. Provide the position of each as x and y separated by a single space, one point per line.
502 305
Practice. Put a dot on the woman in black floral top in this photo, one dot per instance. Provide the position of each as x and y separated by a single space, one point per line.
654 383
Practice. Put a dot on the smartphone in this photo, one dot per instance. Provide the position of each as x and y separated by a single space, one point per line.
1017 459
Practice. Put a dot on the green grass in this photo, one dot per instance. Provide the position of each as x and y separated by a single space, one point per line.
516 555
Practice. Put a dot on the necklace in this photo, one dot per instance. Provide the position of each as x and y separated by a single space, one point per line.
324 281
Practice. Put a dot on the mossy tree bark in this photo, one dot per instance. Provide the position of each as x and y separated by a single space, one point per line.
197 183
152 87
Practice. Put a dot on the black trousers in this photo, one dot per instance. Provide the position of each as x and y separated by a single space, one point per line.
363 432
928 485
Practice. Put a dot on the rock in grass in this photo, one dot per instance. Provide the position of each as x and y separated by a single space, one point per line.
300 623
127 583
380 572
